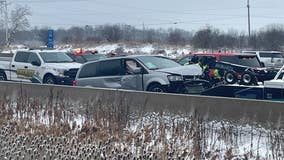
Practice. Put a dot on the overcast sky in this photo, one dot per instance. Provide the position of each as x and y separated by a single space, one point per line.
184 14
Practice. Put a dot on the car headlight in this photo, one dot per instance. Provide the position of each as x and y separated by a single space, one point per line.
60 71
174 78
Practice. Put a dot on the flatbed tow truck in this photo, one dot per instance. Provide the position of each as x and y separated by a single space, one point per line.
269 90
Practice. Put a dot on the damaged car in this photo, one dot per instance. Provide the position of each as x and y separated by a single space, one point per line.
143 73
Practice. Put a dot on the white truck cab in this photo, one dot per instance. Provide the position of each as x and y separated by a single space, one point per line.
272 59
278 81
39 66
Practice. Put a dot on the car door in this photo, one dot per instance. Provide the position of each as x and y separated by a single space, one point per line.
33 67
19 67
108 74
132 78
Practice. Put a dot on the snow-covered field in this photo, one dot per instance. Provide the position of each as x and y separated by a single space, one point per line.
33 128
169 51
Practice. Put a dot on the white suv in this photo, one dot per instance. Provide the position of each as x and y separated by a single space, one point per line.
269 58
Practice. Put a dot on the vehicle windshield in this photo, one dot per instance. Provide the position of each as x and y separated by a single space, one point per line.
94 57
153 63
271 55
250 61
55 57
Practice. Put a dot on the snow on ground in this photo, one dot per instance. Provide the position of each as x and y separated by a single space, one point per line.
164 50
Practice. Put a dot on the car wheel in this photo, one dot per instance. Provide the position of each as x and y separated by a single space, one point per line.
49 79
156 88
248 78
230 77
3 76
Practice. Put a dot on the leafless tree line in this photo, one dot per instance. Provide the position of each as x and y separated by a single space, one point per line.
269 38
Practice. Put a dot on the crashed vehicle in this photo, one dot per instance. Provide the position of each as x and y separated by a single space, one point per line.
142 72
242 68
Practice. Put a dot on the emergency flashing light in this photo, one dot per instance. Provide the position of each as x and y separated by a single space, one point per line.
79 51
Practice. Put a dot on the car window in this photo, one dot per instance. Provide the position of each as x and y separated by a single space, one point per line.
79 59
55 57
33 58
270 55
153 63
250 61
94 57
130 66
88 70
110 68
22 57
184 60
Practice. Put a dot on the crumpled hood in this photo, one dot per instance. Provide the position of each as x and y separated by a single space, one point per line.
183 70
63 65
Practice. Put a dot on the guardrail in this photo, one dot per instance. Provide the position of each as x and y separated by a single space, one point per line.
266 113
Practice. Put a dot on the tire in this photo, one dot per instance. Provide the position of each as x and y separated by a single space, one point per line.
3 76
49 79
156 88
230 77
248 78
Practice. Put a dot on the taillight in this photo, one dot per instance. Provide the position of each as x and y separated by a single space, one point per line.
239 75
74 83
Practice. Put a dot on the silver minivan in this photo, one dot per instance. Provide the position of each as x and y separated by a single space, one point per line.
141 72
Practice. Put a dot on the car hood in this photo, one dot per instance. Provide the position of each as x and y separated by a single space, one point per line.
63 65
183 70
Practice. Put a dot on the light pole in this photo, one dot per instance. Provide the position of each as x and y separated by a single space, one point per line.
248 6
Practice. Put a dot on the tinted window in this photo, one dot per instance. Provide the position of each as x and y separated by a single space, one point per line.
250 61
270 55
110 68
154 63
22 57
79 59
89 70
103 68
94 57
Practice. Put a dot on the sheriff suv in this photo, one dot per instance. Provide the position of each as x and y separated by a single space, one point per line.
242 68
39 66
141 72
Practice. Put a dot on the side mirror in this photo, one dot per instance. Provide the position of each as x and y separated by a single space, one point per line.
35 63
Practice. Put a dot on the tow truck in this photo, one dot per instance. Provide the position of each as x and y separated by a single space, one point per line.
269 90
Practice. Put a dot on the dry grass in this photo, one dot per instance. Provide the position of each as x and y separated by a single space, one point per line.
53 128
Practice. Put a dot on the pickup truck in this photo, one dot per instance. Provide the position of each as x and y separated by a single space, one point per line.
38 66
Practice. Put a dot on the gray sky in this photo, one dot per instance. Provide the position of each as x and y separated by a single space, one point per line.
184 14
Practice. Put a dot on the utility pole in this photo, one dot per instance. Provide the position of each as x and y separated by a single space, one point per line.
143 33
248 6
4 14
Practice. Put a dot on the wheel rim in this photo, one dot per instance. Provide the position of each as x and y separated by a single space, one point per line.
246 78
230 78
157 89
2 77
50 81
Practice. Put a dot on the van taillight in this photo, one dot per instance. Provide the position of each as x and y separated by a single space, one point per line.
74 83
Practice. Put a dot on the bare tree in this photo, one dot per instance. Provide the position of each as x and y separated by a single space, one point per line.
18 21
176 37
